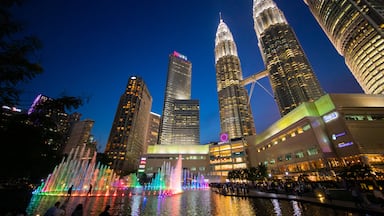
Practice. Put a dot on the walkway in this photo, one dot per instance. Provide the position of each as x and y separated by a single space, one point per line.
373 209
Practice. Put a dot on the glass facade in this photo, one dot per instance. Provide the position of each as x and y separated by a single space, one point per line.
356 30
180 120
291 76
235 113
225 157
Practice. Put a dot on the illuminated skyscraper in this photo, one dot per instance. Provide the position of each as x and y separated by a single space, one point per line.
126 142
45 108
291 76
180 120
153 129
356 30
235 113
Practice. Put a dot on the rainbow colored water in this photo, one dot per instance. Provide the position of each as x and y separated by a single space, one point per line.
80 170
167 181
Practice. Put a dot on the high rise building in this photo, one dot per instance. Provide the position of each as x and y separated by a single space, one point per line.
126 142
356 30
180 119
44 109
153 129
291 76
236 118
80 135
186 128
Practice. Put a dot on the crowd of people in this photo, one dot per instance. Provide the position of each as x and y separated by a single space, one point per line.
60 210
361 195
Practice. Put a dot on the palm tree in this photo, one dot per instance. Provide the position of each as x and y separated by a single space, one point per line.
252 175
262 171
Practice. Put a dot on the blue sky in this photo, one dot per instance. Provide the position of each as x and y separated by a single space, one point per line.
91 48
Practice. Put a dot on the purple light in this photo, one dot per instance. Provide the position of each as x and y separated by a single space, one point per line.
224 137
37 99
342 145
334 136
329 117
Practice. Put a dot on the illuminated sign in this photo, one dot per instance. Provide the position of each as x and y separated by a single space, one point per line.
14 109
180 55
342 145
334 136
224 137
329 117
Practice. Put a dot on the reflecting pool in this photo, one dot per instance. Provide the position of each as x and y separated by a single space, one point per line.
190 202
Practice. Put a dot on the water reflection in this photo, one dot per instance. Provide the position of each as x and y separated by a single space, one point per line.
193 202
296 208
276 207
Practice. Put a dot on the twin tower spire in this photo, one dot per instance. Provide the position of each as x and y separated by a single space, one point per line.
290 74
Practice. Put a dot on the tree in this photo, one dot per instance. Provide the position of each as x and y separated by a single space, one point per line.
26 150
244 173
16 55
32 143
143 178
356 171
262 171
252 175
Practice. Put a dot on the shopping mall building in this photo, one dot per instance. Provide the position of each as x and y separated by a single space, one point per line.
318 138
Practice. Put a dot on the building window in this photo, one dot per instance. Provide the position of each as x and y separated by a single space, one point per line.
354 117
312 151
238 160
299 154
306 127
375 117
240 166
288 157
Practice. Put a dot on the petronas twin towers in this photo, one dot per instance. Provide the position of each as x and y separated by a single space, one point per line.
235 113
291 76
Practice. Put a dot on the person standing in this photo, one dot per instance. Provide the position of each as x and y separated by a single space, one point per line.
90 189
70 190
106 211
52 210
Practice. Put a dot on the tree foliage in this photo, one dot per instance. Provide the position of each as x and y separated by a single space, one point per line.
18 55
31 150
251 174
27 150
356 171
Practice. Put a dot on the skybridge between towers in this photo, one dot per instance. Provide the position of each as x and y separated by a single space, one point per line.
253 79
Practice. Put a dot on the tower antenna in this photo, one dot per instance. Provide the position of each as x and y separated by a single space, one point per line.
221 19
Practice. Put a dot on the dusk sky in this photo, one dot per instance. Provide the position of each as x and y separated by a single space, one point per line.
91 48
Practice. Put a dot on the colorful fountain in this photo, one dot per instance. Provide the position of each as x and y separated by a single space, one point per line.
80 170
167 181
